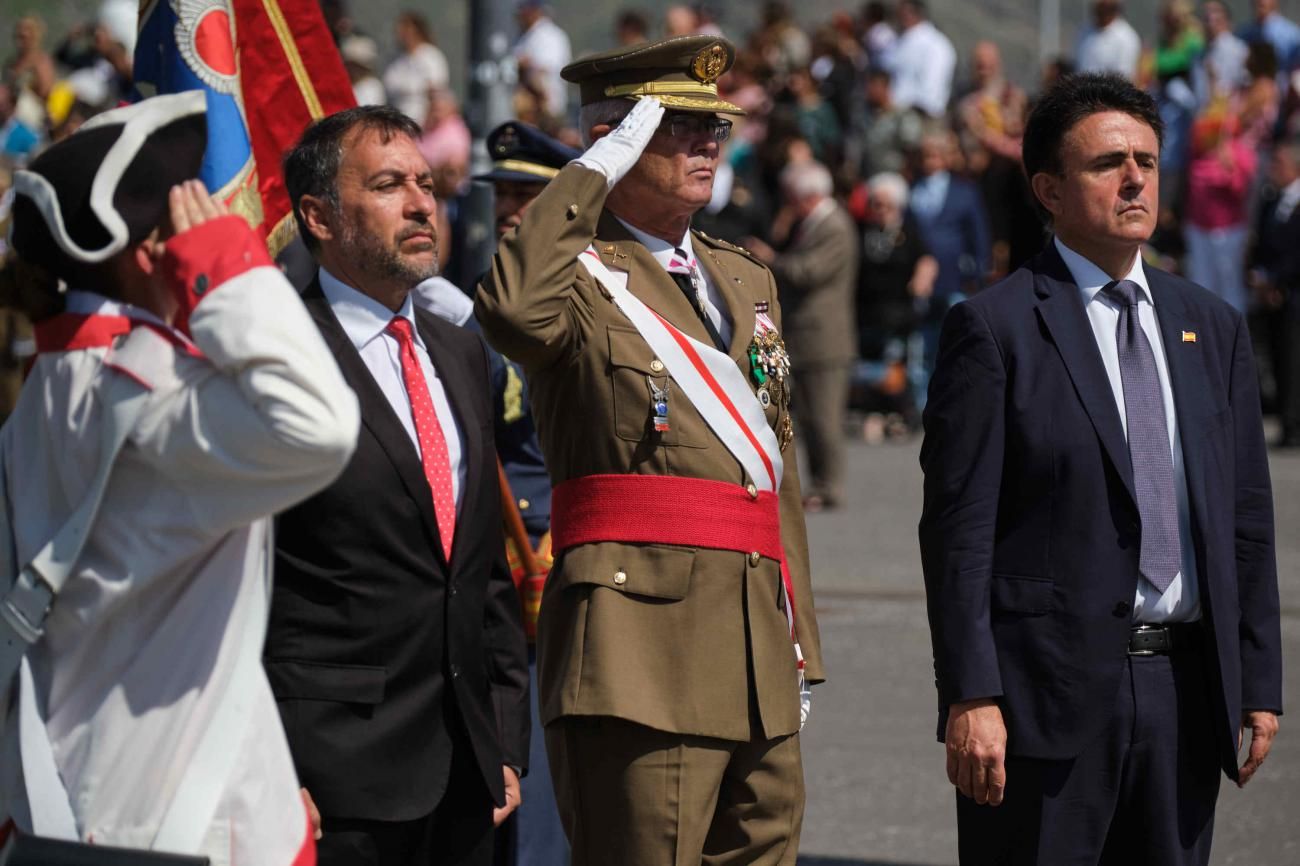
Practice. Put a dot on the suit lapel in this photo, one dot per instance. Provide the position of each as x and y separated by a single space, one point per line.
455 379
1188 381
742 314
1061 310
376 412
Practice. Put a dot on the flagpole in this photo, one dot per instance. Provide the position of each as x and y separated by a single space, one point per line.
491 82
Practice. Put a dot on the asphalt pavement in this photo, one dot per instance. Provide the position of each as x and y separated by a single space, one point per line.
877 792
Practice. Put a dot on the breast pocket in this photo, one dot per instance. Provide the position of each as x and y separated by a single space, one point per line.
634 370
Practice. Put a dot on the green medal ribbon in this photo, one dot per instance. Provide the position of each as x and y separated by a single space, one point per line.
755 367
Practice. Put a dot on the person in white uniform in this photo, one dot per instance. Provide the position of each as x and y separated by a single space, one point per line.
155 727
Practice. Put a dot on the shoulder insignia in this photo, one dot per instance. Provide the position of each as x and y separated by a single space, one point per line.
726 245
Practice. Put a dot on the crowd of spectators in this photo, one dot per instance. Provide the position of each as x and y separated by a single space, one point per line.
922 143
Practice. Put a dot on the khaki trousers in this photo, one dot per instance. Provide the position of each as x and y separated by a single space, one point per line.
633 796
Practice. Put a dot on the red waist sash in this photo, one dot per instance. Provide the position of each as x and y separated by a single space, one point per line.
659 509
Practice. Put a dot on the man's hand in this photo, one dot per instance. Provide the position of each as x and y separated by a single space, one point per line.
976 740
1263 728
513 797
313 814
191 205
615 152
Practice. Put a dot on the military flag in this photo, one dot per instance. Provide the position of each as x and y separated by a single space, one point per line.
269 68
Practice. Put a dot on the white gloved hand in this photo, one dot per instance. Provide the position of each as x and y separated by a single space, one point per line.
616 153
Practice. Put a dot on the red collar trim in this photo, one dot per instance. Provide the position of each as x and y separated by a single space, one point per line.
68 332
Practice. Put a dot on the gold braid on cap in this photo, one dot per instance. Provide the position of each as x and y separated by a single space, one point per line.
525 167
663 88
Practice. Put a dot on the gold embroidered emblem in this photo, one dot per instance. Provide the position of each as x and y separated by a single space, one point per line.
512 397
709 63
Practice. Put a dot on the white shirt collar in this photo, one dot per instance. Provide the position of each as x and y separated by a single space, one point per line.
362 317
661 249
1091 279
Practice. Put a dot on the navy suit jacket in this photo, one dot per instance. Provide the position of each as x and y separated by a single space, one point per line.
1030 532
958 237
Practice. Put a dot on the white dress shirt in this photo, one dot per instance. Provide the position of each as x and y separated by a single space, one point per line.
365 321
1114 48
922 65
715 307
1181 601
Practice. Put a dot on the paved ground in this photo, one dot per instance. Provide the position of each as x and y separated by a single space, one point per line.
877 794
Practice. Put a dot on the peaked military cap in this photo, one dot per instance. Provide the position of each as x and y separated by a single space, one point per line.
526 154
682 72
105 187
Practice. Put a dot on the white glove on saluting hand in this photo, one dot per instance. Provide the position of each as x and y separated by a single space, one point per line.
616 153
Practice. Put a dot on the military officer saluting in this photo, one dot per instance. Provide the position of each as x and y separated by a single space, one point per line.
677 625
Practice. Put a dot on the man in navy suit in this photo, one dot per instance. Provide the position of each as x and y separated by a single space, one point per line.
950 215
1097 535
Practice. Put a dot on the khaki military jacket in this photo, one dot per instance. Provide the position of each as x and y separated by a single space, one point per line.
692 638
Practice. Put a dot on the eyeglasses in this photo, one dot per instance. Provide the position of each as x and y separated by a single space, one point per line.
692 125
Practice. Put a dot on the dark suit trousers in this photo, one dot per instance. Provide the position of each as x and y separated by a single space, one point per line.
1142 792
457 833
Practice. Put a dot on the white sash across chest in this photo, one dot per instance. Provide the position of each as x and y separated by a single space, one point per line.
709 378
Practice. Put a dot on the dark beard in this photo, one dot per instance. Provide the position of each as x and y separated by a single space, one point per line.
373 256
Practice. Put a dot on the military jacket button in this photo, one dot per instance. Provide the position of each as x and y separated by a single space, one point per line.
755 558
620 578
657 366
751 490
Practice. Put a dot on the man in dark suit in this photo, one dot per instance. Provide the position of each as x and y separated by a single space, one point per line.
949 211
1097 534
1275 273
395 648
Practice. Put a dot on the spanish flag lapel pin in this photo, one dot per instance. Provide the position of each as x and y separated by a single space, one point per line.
1189 336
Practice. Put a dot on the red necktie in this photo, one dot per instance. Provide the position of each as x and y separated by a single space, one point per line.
433 445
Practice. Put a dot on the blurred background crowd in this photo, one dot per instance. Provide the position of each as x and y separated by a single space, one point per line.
916 142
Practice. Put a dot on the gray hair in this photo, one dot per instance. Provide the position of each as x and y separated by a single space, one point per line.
610 111
807 179
890 182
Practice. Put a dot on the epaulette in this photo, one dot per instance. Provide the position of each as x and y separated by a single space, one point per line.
726 245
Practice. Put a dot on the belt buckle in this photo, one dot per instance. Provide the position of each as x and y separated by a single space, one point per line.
1144 629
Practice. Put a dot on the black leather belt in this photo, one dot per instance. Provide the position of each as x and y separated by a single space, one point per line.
1151 640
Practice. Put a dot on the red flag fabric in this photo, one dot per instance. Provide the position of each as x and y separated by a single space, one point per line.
291 74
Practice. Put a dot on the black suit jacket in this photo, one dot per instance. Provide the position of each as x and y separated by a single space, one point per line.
1030 533
379 650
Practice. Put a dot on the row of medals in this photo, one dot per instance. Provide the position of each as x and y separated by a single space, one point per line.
769 366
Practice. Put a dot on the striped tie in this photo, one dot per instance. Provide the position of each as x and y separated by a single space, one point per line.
685 273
